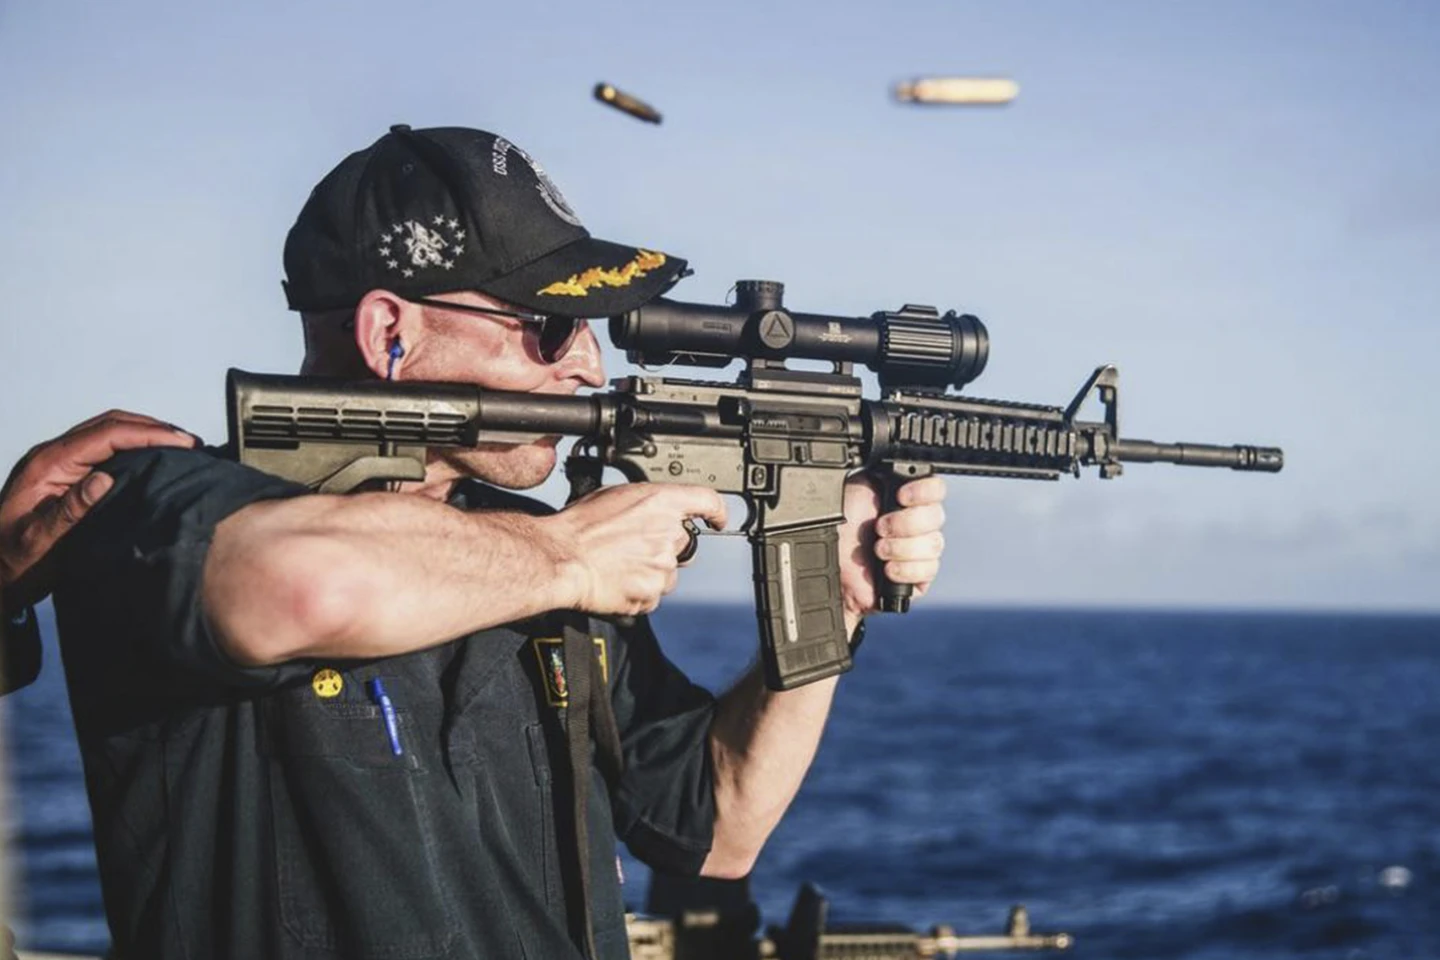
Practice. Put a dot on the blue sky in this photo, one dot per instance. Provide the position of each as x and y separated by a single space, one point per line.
1234 202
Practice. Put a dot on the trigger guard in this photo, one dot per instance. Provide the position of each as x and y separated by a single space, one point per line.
752 516
692 545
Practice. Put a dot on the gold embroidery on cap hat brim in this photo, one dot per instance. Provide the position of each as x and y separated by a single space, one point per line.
580 284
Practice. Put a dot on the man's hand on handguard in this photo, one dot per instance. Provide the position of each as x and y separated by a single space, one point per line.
55 484
908 541
621 544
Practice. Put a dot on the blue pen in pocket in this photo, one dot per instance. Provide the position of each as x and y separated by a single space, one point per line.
387 711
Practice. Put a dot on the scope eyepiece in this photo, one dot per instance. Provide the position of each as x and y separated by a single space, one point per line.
912 347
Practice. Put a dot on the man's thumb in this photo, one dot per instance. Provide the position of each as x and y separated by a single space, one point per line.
69 509
93 487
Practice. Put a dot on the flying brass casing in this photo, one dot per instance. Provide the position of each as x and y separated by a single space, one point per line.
959 91
620 100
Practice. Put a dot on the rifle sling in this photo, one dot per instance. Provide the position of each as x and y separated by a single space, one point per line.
585 708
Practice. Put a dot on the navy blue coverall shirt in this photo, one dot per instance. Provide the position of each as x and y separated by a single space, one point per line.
263 813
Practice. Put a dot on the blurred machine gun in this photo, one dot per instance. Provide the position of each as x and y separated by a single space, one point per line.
785 440
716 920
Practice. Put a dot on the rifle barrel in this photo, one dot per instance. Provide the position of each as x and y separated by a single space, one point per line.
951 944
1236 457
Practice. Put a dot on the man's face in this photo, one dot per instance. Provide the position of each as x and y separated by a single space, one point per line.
496 353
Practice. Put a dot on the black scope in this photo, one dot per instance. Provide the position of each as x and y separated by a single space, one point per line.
914 346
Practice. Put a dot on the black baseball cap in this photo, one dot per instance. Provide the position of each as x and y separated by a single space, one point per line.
421 212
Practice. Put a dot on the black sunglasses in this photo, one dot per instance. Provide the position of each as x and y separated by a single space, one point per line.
556 334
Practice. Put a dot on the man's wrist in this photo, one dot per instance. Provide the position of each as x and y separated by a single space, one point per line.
857 636
566 582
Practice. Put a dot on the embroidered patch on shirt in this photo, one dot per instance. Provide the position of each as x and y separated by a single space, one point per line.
550 652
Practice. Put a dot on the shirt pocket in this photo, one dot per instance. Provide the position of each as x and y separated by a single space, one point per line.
358 868
503 747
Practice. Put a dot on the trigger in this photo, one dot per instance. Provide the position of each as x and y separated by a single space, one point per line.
692 544
740 506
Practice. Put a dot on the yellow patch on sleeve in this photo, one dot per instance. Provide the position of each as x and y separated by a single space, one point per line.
580 284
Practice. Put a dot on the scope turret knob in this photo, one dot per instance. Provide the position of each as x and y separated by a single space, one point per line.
752 295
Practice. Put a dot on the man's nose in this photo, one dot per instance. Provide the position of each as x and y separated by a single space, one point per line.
583 359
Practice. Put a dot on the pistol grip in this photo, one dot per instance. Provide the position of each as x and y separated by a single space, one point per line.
584 474
797 600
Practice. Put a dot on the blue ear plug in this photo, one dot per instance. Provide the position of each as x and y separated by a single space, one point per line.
396 352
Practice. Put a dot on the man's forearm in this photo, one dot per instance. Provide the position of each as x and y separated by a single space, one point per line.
372 575
762 743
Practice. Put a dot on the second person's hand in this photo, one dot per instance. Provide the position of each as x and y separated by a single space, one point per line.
55 484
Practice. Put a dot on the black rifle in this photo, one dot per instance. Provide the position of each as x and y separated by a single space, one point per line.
784 439
707 919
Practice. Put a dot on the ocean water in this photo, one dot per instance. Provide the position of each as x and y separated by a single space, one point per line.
1157 784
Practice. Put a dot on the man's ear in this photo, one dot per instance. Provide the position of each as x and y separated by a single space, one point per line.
383 321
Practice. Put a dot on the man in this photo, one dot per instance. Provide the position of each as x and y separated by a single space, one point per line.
319 726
